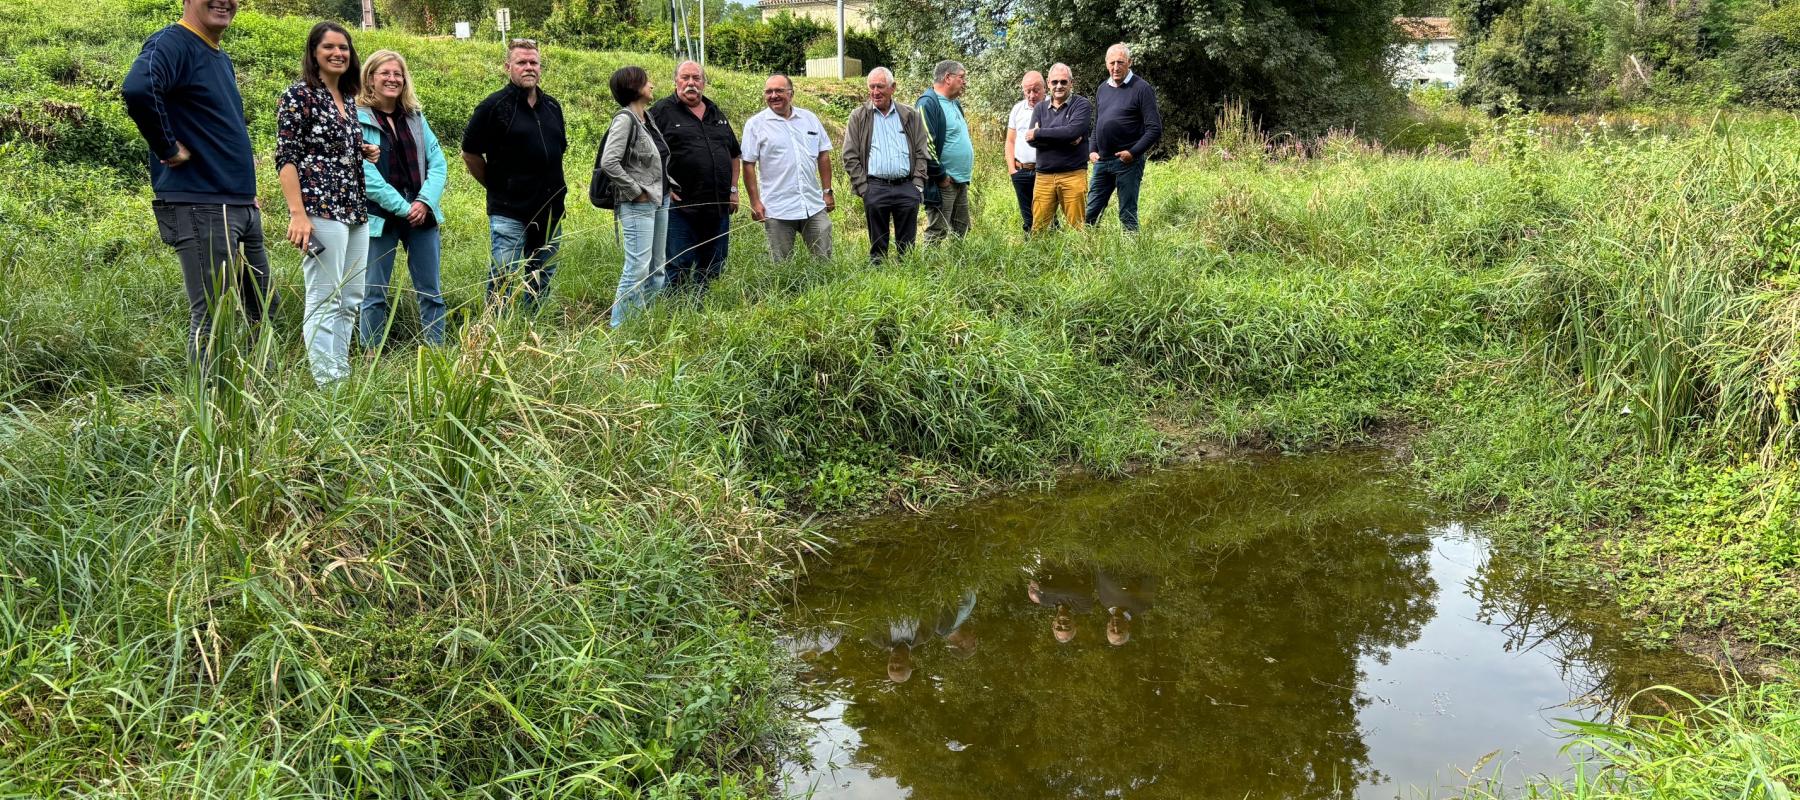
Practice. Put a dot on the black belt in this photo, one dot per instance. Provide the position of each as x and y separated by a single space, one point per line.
1028 166
890 181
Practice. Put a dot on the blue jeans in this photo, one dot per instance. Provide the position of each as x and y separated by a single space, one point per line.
524 260
646 233
698 245
1110 172
422 249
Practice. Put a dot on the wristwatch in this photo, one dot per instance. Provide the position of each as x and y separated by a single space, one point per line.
734 190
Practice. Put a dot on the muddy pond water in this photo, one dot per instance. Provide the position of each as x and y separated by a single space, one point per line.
1282 627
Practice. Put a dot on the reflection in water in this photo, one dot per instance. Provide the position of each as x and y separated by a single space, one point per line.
1245 630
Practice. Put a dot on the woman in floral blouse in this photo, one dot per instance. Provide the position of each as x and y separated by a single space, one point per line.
318 151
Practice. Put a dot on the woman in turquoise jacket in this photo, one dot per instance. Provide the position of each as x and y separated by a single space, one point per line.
405 188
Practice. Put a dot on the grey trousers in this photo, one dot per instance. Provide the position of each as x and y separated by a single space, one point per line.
221 249
951 216
815 230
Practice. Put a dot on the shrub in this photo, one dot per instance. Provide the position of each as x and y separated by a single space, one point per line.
1767 61
1537 54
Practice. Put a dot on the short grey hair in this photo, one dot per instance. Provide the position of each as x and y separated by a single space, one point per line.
882 71
1120 46
1064 67
945 69
697 64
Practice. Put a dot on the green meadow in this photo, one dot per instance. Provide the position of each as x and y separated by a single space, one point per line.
545 562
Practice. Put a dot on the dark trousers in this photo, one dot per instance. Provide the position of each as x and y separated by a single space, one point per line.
1111 172
699 241
220 248
894 203
1024 183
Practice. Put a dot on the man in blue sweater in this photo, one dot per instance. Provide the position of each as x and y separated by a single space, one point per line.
1126 126
183 96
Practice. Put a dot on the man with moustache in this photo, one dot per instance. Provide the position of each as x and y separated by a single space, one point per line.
787 172
183 96
884 155
514 148
703 161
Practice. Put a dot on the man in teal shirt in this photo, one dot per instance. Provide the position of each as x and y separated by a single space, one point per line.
952 157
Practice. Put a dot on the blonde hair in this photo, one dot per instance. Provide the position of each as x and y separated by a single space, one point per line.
366 97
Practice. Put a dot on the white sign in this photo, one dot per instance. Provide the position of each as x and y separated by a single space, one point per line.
462 30
503 18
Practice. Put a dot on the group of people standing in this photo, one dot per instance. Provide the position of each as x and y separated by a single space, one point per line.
360 170
363 175
901 157
1052 141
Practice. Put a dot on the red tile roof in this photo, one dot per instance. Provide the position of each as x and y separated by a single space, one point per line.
1421 28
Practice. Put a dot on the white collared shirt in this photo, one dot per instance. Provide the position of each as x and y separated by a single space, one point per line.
1019 120
786 155
1128 76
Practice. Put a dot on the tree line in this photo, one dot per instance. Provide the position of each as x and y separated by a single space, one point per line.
1297 66
736 35
1576 54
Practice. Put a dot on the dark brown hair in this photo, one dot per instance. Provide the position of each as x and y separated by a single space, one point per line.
627 83
351 83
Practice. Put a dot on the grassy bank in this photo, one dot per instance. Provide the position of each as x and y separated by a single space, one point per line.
538 564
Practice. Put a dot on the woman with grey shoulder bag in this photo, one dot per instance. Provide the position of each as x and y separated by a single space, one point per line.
635 162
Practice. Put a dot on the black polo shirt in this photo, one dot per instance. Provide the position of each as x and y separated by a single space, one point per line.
700 152
524 146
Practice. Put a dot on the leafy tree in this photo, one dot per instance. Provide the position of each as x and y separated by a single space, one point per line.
1646 45
1766 62
1299 66
1473 18
337 10
1534 54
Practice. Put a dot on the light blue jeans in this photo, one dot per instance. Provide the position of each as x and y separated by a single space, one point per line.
524 260
646 234
334 295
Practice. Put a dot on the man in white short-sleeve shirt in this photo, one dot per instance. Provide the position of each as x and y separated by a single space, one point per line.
787 172
1021 156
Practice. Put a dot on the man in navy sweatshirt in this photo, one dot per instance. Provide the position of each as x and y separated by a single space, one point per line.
183 95
1126 126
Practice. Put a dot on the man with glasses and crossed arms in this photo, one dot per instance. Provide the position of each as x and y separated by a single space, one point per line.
1060 127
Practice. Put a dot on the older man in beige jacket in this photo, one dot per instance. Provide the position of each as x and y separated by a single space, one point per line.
885 152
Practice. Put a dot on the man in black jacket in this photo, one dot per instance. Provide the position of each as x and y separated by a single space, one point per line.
703 161
514 147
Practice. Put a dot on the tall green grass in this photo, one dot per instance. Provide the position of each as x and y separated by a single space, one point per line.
541 562
1744 746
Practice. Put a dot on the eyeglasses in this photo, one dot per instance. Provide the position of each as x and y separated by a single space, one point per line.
1059 83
